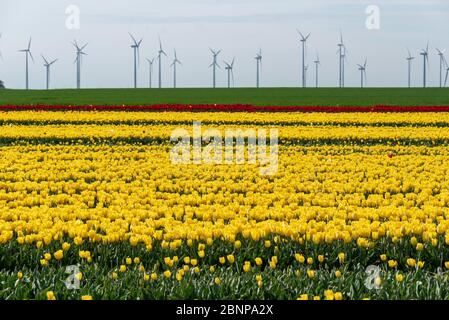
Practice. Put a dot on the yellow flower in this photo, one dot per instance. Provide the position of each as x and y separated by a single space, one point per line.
222 260
341 257
419 247
196 270
65 246
413 241
136 260
217 281
19 275
392 263
258 261
153 276
300 258
86 297
338 273
338 296
178 276
44 262
114 275
51 295
311 274
186 260
201 254
316 298
320 258
399 277
411 262
122 268
267 243
246 267
47 256
193 262
258 278
79 276
141 268
303 297
420 264
309 261
212 269
59 255
167 273
128 261
329 295
237 244
446 264
383 257
78 241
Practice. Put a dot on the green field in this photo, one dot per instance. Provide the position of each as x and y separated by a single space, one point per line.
264 97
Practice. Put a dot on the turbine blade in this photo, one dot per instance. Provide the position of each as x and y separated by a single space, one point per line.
29 44
31 55
134 40
45 60
53 61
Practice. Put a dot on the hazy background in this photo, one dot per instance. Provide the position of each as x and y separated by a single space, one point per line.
238 27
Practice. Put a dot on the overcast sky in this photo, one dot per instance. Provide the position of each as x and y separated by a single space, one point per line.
238 27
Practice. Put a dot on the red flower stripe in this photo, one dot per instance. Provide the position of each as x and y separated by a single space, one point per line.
229 108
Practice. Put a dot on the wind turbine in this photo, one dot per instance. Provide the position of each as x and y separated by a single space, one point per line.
409 61
47 66
230 69
175 61
342 56
27 52
150 62
303 40
78 59
306 67
159 57
214 65
135 46
362 72
317 63
259 63
442 64
425 54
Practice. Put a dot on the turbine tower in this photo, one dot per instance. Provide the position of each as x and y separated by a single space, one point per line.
135 46
27 52
78 60
214 65
47 66
425 54
342 56
175 61
317 64
303 41
159 57
362 72
409 61
150 63
442 64
230 69
259 63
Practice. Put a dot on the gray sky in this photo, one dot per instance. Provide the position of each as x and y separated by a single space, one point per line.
238 27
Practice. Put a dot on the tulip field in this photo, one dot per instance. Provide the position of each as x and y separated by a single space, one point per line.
92 207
